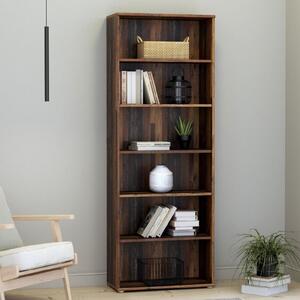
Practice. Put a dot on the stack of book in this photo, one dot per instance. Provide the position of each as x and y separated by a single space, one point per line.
184 223
266 286
156 221
149 146
138 87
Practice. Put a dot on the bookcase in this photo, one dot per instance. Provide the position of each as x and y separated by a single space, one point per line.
128 195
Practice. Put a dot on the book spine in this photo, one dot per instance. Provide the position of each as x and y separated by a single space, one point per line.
147 88
129 95
138 87
153 101
124 87
142 86
133 87
154 88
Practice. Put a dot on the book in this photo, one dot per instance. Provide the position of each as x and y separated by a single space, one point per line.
150 143
141 87
149 148
264 291
159 220
185 213
173 232
184 224
153 86
124 87
268 281
133 88
182 219
128 88
149 97
138 87
149 221
166 220
182 228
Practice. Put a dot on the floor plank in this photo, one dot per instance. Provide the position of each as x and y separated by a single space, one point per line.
222 291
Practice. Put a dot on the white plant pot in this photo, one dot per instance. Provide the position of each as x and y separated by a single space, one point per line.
161 179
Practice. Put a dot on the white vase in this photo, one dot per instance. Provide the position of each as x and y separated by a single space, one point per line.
161 179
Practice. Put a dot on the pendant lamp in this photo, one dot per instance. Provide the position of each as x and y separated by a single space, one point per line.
46 54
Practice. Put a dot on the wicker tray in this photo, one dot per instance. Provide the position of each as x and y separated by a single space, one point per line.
163 50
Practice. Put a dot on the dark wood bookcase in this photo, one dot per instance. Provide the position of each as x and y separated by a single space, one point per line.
128 195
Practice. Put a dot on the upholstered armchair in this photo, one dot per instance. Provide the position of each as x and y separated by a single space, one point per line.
22 266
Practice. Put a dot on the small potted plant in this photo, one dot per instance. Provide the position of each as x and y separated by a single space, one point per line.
184 130
266 256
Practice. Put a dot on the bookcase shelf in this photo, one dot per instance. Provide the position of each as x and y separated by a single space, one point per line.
177 151
165 105
184 61
128 195
161 195
139 239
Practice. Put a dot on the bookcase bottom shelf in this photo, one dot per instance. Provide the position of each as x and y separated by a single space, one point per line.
128 286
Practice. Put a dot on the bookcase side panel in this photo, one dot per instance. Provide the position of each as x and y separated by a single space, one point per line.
113 251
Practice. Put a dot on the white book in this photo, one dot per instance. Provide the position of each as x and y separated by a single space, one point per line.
173 232
166 220
159 220
149 148
155 143
185 213
142 86
269 282
184 223
192 218
138 87
128 88
264 291
182 228
149 221
133 88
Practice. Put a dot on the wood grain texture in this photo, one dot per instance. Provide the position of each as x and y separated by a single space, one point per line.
129 198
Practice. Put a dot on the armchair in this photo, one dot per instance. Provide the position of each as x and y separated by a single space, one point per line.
22 266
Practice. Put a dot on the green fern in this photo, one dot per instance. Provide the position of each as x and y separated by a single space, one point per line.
184 128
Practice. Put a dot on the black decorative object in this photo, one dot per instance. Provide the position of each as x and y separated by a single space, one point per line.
185 141
179 90
160 271
46 45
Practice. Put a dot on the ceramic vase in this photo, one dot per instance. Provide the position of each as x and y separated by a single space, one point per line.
161 179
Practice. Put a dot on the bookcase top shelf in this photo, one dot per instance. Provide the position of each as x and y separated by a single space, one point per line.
139 239
161 16
157 60
171 194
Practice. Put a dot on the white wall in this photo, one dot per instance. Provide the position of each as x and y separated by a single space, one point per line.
292 116
53 155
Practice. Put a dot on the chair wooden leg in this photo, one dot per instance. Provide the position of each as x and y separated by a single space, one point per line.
2 296
67 285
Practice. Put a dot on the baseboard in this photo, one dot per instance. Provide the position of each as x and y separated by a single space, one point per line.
99 279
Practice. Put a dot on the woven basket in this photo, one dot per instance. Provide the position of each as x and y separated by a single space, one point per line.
163 50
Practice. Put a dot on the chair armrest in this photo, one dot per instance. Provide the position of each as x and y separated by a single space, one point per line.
7 226
42 217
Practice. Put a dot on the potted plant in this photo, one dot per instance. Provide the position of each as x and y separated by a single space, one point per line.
266 256
184 130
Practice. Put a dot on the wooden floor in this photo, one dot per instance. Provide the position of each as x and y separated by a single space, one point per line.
223 291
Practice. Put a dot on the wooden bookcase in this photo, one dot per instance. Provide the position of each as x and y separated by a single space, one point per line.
128 195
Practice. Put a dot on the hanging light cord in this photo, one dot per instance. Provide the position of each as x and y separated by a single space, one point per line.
46 13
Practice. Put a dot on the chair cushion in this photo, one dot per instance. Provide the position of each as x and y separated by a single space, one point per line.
8 238
37 256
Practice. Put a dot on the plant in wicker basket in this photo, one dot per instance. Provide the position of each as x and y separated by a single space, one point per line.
266 256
